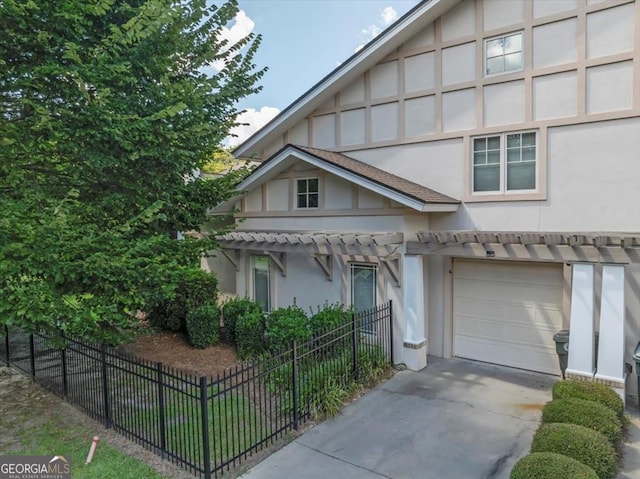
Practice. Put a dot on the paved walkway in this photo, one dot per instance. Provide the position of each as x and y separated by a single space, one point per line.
455 419
631 449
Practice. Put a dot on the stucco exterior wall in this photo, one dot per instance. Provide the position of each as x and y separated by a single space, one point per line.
306 284
435 84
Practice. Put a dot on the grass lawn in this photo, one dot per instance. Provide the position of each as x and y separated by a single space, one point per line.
73 442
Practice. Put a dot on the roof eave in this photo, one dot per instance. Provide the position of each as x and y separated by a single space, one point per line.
262 174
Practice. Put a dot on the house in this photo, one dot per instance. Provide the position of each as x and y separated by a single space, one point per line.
478 163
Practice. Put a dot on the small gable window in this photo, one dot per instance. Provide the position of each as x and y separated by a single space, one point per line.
503 54
307 193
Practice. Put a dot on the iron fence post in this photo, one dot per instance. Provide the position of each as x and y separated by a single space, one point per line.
391 331
105 387
6 344
354 346
163 427
205 427
294 373
65 383
32 353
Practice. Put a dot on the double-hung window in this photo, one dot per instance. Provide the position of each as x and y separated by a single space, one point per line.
503 54
364 285
307 192
505 163
261 281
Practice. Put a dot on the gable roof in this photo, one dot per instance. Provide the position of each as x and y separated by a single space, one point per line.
381 177
357 64
405 192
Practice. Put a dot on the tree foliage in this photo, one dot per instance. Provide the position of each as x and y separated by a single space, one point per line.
221 162
106 110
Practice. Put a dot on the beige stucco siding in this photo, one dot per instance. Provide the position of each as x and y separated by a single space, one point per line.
577 63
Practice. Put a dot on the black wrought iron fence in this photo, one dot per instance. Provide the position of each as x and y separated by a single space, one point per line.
207 425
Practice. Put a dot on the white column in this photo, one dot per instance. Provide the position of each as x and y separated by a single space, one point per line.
415 344
581 356
611 341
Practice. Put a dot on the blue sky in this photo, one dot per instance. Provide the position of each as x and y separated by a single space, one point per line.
302 41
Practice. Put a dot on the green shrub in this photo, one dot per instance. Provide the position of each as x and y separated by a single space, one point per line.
585 413
250 330
591 391
194 288
285 325
329 317
580 443
232 310
549 465
372 362
203 325
326 380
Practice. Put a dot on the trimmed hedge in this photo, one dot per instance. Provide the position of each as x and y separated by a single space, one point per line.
585 413
330 316
232 310
203 325
250 338
285 325
590 391
580 443
549 465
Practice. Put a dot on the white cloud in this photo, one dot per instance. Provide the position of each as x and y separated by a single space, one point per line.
252 120
241 27
387 16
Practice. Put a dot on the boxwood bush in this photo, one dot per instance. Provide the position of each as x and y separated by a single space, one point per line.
330 316
250 338
550 465
585 413
232 310
580 443
203 325
591 391
285 325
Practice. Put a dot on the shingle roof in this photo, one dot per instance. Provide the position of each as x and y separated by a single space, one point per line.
378 176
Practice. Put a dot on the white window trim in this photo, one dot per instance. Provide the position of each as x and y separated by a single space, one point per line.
295 193
503 165
484 54
376 288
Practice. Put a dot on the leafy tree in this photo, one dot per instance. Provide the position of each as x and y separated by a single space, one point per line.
106 110
221 162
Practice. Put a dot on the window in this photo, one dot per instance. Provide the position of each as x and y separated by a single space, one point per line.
307 193
364 285
504 163
503 54
261 281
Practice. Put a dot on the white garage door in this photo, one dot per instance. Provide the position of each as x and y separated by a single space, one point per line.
507 312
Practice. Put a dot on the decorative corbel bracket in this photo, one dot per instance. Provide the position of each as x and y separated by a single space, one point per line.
279 260
233 256
325 261
392 263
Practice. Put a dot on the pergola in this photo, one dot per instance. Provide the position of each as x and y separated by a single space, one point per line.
323 246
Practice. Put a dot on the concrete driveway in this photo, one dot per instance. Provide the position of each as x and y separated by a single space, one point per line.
456 419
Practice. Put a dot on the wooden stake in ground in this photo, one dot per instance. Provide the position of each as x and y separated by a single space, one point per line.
92 450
